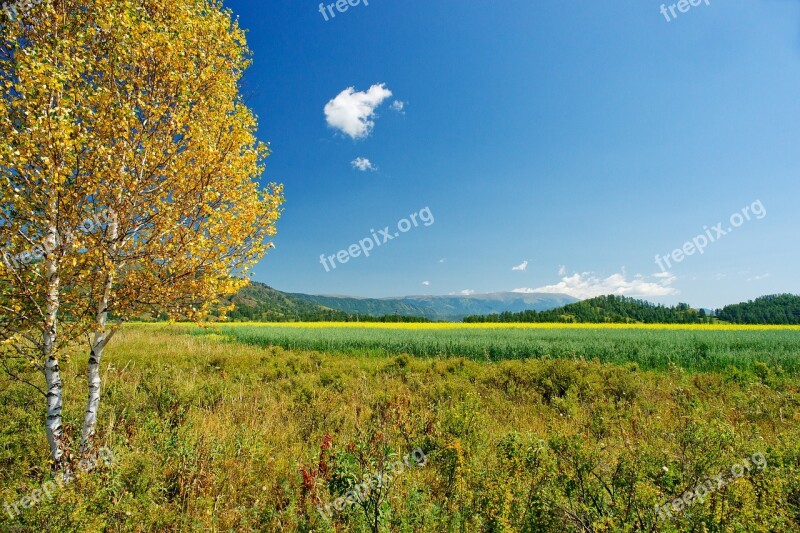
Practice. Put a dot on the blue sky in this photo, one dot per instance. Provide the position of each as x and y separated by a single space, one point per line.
582 138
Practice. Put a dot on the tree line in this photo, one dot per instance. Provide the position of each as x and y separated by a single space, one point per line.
772 309
605 309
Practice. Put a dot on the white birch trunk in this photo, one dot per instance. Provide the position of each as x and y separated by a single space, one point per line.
98 345
52 374
93 369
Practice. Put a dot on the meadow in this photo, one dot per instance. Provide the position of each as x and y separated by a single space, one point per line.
653 347
243 428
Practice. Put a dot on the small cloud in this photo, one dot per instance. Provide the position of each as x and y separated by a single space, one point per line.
759 278
562 270
399 106
520 267
442 260
467 292
426 283
363 164
351 112
588 285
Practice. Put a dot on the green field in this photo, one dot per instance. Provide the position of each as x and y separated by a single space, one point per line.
699 348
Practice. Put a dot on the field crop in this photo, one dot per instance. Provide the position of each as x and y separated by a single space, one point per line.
698 348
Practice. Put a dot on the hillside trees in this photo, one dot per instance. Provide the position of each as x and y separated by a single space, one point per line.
605 309
774 309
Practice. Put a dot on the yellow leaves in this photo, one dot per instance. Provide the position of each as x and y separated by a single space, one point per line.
160 133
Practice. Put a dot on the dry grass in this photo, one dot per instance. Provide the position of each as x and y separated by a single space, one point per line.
215 435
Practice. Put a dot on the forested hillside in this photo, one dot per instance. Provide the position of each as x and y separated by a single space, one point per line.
258 302
774 309
605 309
451 308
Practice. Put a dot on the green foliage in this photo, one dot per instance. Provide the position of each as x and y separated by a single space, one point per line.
782 309
605 309
776 309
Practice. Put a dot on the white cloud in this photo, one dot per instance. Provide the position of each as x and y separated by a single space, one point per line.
426 283
467 292
521 267
442 260
589 285
758 278
363 164
399 106
562 271
351 112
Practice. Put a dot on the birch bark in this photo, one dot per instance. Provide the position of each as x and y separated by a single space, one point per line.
52 373
101 338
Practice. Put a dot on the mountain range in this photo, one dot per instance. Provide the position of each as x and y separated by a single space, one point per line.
258 301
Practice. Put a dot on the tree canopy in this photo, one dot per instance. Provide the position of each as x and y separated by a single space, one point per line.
605 309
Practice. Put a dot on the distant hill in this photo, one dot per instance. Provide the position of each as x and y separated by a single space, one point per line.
774 309
606 309
259 302
452 308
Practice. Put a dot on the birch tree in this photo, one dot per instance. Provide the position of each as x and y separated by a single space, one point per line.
186 215
46 173
168 161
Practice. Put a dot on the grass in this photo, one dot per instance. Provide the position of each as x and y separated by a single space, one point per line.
213 434
698 348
